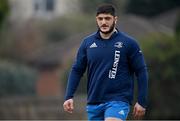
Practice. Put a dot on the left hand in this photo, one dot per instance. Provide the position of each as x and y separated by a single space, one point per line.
138 111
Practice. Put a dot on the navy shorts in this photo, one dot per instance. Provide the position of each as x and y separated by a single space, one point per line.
113 109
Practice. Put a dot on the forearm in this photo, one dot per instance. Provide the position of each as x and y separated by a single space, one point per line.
73 82
76 73
142 78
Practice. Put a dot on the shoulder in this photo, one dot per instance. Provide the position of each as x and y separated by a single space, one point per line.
129 41
88 39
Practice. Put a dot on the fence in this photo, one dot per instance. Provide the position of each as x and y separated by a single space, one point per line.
40 108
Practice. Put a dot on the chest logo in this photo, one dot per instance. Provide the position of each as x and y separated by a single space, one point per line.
93 45
118 44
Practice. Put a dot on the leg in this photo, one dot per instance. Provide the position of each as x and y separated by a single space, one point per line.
95 112
117 111
113 119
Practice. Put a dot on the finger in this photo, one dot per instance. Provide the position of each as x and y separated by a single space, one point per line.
140 114
137 114
72 105
69 111
134 110
66 106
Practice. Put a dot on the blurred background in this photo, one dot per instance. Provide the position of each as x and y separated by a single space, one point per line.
39 40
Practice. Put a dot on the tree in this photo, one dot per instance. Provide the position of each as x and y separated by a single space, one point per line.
151 7
89 6
178 28
17 79
162 54
4 9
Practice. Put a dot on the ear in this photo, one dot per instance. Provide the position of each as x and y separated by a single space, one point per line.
96 18
116 18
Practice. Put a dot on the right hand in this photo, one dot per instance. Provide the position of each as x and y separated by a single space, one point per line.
68 106
138 111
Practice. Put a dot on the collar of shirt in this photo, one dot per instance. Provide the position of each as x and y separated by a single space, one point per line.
98 36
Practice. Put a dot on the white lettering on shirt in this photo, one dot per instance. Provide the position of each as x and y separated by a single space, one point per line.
113 71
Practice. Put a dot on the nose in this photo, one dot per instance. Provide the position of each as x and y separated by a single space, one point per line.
103 21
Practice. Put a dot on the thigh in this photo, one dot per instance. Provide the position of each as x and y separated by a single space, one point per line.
95 112
117 110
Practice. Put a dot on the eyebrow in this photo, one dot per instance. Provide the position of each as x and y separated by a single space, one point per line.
107 17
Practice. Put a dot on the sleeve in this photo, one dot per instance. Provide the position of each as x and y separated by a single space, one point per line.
139 67
77 71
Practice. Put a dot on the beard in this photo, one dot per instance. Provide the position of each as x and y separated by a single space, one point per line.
109 31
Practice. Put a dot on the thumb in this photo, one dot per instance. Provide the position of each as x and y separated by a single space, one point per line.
135 111
71 105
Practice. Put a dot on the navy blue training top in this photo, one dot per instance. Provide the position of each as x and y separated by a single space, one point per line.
111 65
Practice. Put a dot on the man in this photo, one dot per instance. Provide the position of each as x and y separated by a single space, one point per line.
111 58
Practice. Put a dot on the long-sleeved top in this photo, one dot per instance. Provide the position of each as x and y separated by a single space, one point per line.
111 67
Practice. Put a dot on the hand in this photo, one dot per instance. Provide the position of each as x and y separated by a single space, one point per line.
138 111
68 106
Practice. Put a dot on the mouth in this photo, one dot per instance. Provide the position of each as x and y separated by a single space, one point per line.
104 27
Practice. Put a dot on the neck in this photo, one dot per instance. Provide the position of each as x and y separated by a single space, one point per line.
107 36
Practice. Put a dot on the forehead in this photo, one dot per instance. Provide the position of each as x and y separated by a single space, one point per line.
104 15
